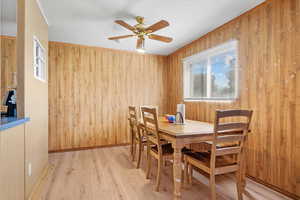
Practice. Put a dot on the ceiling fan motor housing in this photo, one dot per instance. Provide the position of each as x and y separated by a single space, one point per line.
140 31
140 19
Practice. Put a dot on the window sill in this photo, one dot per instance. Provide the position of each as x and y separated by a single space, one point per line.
39 79
211 100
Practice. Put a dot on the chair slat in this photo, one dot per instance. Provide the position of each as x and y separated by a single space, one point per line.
151 130
198 163
149 120
233 113
231 126
132 116
226 169
228 151
153 139
229 138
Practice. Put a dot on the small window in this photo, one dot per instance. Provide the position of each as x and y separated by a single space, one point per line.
39 60
212 74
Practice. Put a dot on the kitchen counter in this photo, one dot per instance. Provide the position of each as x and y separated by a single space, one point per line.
9 122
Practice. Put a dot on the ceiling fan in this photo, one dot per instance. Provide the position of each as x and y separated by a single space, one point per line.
140 31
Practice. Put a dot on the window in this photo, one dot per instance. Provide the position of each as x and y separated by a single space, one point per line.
212 74
39 60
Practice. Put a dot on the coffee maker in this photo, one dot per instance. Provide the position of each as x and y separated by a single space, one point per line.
10 101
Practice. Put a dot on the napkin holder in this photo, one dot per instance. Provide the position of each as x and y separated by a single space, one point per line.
179 118
180 115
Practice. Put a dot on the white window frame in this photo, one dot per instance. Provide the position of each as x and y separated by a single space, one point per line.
42 58
206 55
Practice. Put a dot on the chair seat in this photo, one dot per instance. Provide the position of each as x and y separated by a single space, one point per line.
204 158
166 149
184 149
206 146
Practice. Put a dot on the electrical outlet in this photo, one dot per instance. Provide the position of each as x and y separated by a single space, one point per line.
29 169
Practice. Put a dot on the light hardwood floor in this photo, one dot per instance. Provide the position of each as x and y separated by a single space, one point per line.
108 173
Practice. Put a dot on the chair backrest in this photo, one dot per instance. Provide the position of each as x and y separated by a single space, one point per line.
133 121
230 132
146 106
151 124
132 115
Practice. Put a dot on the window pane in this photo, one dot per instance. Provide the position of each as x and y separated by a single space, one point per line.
39 61
199 79
37 71
37 50
40 52
36 61
43 70
223 75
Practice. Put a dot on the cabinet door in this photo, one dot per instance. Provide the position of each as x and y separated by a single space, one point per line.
12 163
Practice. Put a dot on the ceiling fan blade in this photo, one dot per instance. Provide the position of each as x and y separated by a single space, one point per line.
157 26
160 38
120 37
125 25
139 43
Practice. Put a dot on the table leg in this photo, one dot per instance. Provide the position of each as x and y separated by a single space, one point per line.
243 164
243 174
177 171
131 144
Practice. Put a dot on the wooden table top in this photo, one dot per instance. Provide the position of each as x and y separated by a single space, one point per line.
191 128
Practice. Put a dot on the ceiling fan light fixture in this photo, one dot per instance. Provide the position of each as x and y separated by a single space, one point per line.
141 47
141 50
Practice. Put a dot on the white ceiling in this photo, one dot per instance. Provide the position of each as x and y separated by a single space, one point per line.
90 22
8 10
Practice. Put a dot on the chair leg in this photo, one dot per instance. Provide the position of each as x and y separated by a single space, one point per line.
239 185
133 150
143 148
131 144
190 168
139 155
213 187
149 160
164 162
159 166
185 175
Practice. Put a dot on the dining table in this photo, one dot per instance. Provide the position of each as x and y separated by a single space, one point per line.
181 135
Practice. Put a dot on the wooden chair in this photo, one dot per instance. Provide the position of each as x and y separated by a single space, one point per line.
156 147
222 159
137 138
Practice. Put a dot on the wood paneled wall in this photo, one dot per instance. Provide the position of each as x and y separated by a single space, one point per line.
8 63
269 57
90 90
